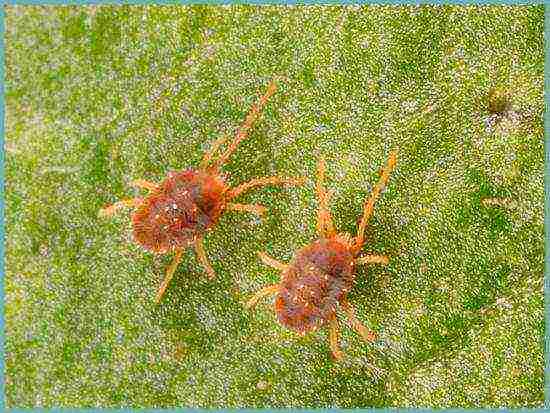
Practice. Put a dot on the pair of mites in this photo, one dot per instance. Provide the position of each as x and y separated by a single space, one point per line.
178 212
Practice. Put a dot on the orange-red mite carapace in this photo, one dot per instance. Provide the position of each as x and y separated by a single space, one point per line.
178 212
321 274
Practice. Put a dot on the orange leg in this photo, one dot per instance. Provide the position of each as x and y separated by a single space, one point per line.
242 133
325 226
373 259
274 180
256 209
110 210
210 153
142 183
369 205
334 338
201 255
363 331
169 274
272 262
269 290
501 202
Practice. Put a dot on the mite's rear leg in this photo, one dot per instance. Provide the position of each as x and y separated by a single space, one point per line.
256 209
208 155
369 205
325 225
169 274
334 338
242 132
364 332
201 255
271 289
128 203
110 210
373 259
264 292
273 180
272 262
142 183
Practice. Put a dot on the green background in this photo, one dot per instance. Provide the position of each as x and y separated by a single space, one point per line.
99 96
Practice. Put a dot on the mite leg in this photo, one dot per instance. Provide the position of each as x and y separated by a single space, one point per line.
169 274
272 262
256 209
325 226
369 205
110 210
210 153
269 290
242 133
373 259
364 332
142 183
201 255
334 338
274 180
501 202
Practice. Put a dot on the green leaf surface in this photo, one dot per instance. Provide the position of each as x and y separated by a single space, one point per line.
98 96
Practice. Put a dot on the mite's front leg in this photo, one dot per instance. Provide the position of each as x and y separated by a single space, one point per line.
110 210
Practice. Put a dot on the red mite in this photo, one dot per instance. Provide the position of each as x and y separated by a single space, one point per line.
321 274
178 212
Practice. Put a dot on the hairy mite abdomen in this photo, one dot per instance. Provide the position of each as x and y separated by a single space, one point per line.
185 205
317 278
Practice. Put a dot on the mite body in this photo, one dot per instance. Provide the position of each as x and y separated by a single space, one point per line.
185 205
313 284
178 212
317 280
